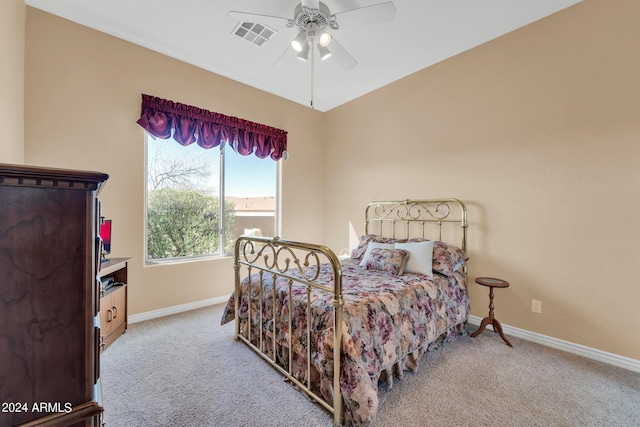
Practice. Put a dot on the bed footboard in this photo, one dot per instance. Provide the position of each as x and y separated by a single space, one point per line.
262 259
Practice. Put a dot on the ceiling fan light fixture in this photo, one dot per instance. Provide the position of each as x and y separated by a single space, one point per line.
324 52
299 42
325 39
304 52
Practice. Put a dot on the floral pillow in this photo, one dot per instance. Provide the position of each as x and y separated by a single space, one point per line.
371 246
391 261
447 258
358 252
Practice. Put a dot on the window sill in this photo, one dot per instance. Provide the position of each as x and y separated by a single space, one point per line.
174 261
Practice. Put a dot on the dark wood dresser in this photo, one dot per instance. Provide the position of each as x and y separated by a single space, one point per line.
49 297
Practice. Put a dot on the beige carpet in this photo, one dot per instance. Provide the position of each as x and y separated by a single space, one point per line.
187 370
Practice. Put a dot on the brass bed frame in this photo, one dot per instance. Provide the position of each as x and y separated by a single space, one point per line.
275 257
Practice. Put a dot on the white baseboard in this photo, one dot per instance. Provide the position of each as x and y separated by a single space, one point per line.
175 309
580 350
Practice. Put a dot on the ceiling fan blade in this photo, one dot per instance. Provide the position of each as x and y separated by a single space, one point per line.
374 14
311 4
274 21
342 57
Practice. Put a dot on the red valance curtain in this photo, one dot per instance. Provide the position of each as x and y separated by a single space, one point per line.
187 124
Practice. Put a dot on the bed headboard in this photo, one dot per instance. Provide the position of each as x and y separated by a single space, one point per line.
435 219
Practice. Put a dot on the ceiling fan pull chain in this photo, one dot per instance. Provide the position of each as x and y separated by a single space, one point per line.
313 67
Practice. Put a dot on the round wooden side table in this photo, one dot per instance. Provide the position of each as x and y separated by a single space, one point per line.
491 282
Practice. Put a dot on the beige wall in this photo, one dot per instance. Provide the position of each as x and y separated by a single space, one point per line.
82 101
538 132
12 23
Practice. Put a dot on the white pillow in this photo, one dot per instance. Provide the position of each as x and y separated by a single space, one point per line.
371 246
420 258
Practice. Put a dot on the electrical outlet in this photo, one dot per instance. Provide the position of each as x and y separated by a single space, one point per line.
536 306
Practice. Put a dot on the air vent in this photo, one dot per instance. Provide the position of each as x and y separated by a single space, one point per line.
257 34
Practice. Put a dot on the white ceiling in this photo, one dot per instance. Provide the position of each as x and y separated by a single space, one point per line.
199 32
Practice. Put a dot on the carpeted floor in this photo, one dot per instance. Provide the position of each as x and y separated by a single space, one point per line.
187 370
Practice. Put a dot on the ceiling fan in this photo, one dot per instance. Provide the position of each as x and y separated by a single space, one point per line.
314 21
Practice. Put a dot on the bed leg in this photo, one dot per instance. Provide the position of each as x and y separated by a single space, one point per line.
338 416
462 329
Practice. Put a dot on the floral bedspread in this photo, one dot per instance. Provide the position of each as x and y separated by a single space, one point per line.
388 324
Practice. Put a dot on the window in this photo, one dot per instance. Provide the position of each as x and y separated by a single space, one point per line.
185 185
199 198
